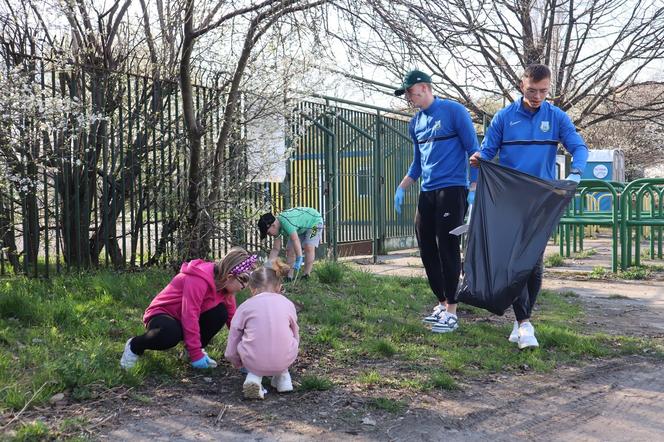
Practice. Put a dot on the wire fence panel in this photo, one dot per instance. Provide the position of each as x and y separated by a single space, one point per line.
109 187
347 158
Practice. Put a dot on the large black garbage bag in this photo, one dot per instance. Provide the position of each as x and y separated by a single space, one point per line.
513 216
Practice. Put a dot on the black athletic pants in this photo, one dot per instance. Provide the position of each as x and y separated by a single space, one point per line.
165 332
438 212
523 306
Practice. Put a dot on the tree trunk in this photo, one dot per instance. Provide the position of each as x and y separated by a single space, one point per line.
195 246
8 234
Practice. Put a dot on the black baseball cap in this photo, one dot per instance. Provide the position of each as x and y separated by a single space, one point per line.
264 223
410 79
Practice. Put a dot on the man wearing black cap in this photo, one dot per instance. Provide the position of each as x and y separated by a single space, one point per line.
303 226
443 138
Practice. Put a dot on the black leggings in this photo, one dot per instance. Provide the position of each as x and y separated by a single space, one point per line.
438 212
523 306
164 332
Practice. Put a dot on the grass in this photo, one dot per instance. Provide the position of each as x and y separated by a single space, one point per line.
33 431
381 348
369 318
389 405
598 272
67 334
442 380
635 273
583 254
315 383
554 260
631 273
330 272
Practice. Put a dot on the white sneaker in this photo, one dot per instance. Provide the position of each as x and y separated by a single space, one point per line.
129 358
253 387
282 382
447 323
514 336
438 311
527 337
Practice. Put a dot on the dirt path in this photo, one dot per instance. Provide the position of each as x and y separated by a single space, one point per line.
610 400
619 399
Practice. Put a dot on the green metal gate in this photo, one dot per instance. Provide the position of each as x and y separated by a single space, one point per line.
347 159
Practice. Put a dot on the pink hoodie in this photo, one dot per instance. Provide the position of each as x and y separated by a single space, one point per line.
190 293
264 336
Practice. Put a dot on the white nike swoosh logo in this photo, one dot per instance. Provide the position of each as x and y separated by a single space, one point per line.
512 123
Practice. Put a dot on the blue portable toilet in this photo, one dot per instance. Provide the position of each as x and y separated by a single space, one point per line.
606 165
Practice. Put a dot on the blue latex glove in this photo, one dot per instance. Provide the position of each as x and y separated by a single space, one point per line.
211 362
204 362
398 199
574 177
471 197
298 262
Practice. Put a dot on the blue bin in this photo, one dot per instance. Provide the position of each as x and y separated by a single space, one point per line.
606 165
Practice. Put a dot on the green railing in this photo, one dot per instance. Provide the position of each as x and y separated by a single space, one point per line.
577 216
636 217
636 210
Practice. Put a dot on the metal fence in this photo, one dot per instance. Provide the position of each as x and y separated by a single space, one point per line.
113 194
346 163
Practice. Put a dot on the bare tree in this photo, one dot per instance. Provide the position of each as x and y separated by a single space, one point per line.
641 139
85 54
260 18
92 56
598 49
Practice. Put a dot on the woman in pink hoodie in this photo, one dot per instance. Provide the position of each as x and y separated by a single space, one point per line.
192 308
264 335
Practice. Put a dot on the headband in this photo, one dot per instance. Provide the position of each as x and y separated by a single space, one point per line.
244 266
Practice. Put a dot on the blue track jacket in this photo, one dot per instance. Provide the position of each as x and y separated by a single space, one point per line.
444 137
528 141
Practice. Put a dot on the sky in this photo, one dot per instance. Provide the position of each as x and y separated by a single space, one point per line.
353 90
333 84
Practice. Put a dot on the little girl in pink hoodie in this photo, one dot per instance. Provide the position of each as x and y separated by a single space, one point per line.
192 308
264 336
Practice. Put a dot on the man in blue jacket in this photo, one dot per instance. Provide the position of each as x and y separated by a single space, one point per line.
525 135
443 138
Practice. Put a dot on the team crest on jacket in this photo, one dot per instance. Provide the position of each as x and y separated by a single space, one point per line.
545 126
436 126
